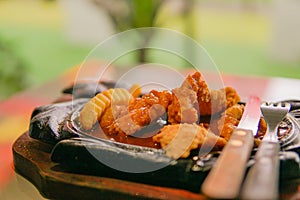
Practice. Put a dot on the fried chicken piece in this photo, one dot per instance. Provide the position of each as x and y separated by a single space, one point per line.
211 102
139 113
229 120
193 97
183 108
196 83
221 100
185 105
232 97
108 118
149 107
179 139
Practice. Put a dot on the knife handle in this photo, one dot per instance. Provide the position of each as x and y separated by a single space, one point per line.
225 178
262 179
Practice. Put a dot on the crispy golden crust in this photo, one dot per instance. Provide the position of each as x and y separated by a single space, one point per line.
221 100
140 112
198 85
149 107
232 97
107 121
183 108
193 98
229 120
179 139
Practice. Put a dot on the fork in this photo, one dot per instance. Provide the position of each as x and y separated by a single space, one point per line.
262 179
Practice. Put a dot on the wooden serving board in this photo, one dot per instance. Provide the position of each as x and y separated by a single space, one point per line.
32 160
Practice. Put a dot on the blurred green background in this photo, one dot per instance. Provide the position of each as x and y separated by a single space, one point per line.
40 39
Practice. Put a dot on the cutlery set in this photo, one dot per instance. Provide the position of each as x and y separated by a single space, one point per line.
227 179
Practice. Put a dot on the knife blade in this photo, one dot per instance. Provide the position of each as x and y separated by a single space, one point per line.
225 178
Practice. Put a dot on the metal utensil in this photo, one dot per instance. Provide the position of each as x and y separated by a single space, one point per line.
225 178
262 179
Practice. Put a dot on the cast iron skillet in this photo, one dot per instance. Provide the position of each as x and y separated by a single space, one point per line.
75 151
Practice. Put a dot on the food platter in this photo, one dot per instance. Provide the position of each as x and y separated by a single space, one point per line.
76 170
75 151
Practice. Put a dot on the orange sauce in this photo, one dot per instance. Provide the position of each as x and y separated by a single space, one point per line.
140 139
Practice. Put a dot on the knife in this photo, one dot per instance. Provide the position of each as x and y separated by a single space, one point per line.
225 178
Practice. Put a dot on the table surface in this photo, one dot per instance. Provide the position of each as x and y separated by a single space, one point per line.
15 112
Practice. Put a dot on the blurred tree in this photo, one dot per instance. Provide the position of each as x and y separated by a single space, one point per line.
131 14
128 14
13 70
